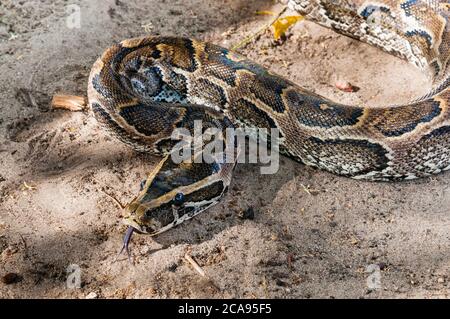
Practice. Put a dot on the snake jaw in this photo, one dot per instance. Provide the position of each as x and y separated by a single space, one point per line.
141 225
131 222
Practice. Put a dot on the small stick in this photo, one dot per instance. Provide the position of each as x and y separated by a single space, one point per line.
122 206
306 189
195 265
251 37
69 102
29 187
25 246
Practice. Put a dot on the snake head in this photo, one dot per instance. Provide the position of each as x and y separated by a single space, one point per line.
155 216
173 194
163 213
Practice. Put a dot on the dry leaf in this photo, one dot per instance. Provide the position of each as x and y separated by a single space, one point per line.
265 13
346 86
281 25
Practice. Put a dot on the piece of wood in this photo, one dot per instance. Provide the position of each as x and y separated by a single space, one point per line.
71 103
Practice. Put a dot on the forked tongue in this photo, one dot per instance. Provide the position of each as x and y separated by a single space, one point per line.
126 242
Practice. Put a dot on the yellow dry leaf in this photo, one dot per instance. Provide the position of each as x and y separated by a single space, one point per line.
265 13
281 25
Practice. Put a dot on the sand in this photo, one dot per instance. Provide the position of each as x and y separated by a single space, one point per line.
314 235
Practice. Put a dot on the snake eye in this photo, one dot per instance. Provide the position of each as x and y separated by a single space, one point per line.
178 199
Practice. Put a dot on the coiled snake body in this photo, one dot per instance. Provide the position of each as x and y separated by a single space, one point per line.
142 89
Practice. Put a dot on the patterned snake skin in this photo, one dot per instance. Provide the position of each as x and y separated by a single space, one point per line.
142 89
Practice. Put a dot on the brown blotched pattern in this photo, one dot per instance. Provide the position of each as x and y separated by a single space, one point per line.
143 89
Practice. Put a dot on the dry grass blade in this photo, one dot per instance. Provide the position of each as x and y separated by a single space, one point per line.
116 201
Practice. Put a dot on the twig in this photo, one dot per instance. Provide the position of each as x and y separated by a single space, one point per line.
251 37
306 189
148 27
195 265
29 187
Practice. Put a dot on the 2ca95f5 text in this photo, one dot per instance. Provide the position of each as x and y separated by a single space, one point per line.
225 308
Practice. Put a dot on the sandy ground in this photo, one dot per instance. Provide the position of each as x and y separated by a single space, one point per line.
313 235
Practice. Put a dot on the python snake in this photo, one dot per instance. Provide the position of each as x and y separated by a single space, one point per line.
142 89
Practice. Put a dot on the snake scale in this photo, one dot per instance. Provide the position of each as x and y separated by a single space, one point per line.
142 89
